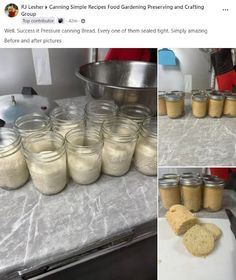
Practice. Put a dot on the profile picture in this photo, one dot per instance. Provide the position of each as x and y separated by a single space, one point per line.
11 10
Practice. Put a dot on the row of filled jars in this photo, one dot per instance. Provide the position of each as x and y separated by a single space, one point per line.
192 190
50 149
214 104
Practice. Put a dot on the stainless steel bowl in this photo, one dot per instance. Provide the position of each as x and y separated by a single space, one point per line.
125 82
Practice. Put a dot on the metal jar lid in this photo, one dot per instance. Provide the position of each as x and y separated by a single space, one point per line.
161 94
213 183
170 176
187 175
231 97
191 182
172 97
167 183
217 96
199 97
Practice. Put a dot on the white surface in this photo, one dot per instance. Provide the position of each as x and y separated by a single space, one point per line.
42 66
190 62
176 263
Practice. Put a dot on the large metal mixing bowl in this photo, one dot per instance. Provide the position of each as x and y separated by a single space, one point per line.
125 82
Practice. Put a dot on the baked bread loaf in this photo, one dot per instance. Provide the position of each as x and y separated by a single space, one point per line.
212 228
199 241
180 219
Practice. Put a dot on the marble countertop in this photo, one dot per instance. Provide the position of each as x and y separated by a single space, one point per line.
189 141
229 201
36 229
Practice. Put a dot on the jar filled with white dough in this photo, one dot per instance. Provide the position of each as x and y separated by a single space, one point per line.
136 112
30 123
13 168
63 119
46 158
98 111
145 157
84 155
120 137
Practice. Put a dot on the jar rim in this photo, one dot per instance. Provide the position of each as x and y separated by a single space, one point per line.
9 148
107 105
136 112
191 181
44 156
214 183
199 97
117 121
91 132
168 183
73 114
30 119
172 97
148 125
217 96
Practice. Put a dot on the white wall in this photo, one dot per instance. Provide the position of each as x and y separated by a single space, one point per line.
190 61
17 71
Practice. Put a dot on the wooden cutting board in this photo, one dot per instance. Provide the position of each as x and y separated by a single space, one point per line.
176 263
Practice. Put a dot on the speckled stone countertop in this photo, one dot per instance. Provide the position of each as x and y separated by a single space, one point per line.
189 141
229 201
36 229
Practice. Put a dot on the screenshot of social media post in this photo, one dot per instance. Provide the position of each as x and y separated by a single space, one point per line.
117 140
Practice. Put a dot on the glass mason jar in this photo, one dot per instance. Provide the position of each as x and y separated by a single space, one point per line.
174 105
213 194
30 123
169 192
191 191
181 94
13 168
230 106
120 137
162 103
46 158
199 105
136 112
98 111
145 156
63 119
216 105
84 155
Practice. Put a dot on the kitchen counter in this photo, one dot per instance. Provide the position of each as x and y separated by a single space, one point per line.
189 141
37 229
229 201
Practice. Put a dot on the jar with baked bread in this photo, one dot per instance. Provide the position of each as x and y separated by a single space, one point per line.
84 155
174 105
135 112
199 105
46 159
65 118
162 103
13 168
120 137
191 192
230 105
216 105
213 194
169 192
145 156
181 94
